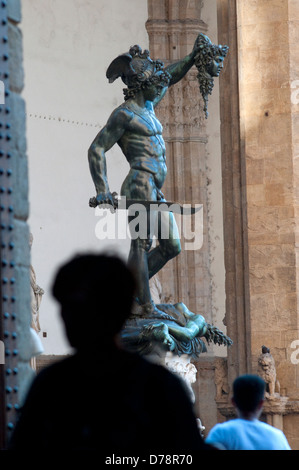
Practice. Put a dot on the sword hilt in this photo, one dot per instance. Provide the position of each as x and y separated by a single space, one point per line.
93 202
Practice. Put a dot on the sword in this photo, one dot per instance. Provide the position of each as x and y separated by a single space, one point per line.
144 205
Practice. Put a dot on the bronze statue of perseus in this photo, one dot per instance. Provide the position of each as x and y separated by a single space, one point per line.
135 127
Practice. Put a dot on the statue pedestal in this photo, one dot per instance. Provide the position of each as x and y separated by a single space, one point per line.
178 365
182 366
274 409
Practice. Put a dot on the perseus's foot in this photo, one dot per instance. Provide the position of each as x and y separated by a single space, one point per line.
159 332
157 313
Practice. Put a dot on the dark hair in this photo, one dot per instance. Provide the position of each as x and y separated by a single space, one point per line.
96 293
162 78
248 391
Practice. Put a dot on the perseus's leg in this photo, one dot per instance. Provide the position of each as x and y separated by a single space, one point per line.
140 185
169 243
138 261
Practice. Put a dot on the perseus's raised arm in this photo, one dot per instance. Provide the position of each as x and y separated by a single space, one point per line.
208 59
178 70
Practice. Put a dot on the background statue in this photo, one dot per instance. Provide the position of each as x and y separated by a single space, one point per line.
36 297
135 127
267 371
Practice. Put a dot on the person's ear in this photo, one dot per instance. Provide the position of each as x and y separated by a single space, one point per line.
261 403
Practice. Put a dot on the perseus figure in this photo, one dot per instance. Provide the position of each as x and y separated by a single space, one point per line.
135 128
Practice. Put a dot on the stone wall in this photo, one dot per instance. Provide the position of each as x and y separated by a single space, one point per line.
211 387
267 150
15 254
20 196
260 172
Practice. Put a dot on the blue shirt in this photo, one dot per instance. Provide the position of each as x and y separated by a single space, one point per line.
243 434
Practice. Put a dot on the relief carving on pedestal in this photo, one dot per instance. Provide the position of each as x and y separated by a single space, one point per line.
221 381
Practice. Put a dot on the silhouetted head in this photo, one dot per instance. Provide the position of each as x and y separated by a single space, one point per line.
96 293
248 392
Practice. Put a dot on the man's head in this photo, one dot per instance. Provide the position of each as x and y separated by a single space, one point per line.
208 54
138 71
248 394
96 293
209 59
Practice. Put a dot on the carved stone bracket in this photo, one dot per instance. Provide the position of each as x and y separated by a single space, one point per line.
277 406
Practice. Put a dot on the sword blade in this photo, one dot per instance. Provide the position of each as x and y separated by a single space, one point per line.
123 203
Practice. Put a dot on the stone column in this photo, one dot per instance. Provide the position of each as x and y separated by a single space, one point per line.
15 257
235 241
259 109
